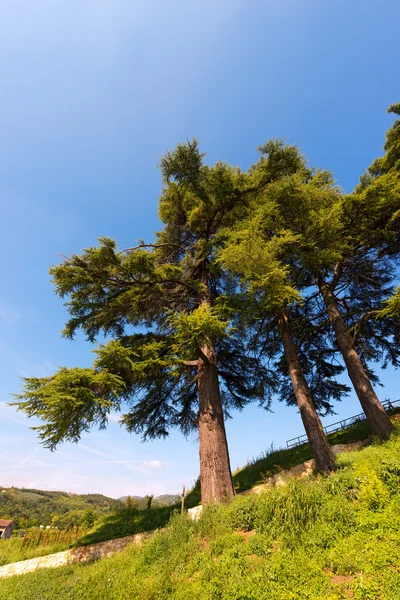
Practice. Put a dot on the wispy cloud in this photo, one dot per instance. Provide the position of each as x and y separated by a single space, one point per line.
115 418
9 413
9 316
20 464
134 465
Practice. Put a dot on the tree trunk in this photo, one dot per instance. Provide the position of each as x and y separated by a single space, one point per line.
215 472
320 448
377 418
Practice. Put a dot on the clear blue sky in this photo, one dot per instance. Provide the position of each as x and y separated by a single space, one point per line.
92 93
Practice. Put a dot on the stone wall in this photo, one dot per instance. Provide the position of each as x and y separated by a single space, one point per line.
74 555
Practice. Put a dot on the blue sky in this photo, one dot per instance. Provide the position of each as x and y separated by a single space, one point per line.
92 93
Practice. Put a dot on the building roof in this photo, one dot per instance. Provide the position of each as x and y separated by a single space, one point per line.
5 522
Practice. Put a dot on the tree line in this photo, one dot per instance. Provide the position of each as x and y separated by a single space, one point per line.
32 508
262 284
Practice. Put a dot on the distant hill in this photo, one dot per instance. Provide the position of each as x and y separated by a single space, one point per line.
163 500
31 507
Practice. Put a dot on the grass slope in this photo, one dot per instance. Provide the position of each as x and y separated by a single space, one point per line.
258 470
323 538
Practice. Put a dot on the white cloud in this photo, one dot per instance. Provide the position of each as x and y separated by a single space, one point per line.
156 464
115 418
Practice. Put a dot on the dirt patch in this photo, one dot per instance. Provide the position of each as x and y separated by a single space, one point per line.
205 544
246 535
340 579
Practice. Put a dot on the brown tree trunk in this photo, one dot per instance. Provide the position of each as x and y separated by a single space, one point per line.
377 418
320 448
215 472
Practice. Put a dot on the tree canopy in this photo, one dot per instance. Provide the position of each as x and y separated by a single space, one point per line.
162 310
267 282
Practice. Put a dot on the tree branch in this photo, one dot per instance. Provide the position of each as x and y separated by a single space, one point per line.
166 245
355 330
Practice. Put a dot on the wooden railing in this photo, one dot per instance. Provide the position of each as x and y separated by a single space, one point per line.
388 405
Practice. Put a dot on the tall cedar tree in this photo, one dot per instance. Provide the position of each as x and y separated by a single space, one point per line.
381 185
356 285
337 250
171 353
259 250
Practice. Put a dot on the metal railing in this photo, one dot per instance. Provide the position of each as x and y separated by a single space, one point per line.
388 405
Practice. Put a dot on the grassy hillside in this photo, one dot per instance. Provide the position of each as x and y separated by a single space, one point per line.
256 471
332 538
37 542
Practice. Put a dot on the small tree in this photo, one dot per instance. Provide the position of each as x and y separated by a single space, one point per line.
130 503
148 500
88 518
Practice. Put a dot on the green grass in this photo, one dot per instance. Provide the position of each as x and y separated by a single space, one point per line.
321 538
127 522
119 524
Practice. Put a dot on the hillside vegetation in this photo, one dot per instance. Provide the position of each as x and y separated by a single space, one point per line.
78 519
323 538
30 507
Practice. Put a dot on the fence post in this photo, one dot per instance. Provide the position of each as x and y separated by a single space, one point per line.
183 500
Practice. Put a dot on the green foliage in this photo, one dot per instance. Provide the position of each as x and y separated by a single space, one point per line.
391 306
89 518
314 539
30 508
373 492
156 305
292 230
70 402
129 503
258 259
199 328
